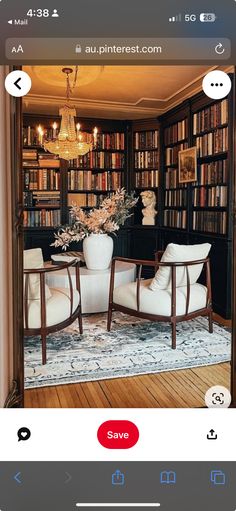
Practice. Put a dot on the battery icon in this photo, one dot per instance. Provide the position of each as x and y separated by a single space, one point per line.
207 17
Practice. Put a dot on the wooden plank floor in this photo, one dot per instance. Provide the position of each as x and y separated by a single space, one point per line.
176 389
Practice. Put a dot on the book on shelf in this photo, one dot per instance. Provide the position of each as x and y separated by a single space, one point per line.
175 218
48 160
41 218
49 163
176 132
146 139
213 142
172 179
42 179
147 178
210 221
215 196
30 163
91 200
176 198
146 159
173 152
30 154
211 117
99 160
213 173
87 180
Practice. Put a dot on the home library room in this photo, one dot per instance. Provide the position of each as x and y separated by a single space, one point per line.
141 155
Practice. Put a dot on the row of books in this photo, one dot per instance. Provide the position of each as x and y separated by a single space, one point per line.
210 197
176 132
146 139
177 219
213 173
147 178
210 117
146 159
213 142
42 218
109 141
99 160
41 199
172 153
41 179
210 221
172 179
87 180
83 200
31 157
32 137
176 198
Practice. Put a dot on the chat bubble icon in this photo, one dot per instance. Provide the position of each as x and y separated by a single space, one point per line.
23 434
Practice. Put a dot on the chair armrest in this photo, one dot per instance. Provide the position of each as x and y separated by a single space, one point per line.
144 262
52 268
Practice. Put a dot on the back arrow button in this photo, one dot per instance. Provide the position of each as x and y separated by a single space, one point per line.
17 82
17 477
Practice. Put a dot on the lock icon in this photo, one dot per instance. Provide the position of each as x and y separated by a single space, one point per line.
78 48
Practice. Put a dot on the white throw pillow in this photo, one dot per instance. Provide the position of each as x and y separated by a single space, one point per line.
180 253
33 259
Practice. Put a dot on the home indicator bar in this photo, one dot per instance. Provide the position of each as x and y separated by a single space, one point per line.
118 504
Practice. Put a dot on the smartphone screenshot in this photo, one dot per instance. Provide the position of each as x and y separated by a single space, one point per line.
117 281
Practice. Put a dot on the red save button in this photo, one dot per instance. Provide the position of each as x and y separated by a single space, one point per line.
118 434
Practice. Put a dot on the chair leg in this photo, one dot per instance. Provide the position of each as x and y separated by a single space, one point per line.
210 322
173 328
44 348
80 323
109 318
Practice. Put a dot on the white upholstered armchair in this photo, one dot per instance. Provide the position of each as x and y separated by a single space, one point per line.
47 310
174 294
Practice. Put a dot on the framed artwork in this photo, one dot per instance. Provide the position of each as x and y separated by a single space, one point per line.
188 165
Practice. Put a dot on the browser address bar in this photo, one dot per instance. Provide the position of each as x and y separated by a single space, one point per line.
117 49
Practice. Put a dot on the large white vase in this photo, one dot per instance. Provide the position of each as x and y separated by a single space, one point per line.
98 249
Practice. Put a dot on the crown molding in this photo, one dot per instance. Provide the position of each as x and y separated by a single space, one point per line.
144 106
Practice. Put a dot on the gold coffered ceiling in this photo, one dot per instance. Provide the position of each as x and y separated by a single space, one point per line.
121 92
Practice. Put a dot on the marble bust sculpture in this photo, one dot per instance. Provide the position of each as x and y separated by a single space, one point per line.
149 212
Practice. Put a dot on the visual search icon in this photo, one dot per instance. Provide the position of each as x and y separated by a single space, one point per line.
218 397
216 84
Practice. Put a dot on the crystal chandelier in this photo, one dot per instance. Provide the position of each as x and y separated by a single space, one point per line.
70 142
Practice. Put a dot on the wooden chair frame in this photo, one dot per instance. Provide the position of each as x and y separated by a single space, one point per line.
173 319
45 330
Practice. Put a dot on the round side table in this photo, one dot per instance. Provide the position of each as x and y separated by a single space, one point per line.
94 284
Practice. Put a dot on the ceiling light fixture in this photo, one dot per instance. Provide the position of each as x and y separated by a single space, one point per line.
71 142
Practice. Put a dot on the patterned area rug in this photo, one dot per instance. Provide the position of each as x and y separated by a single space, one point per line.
133 347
